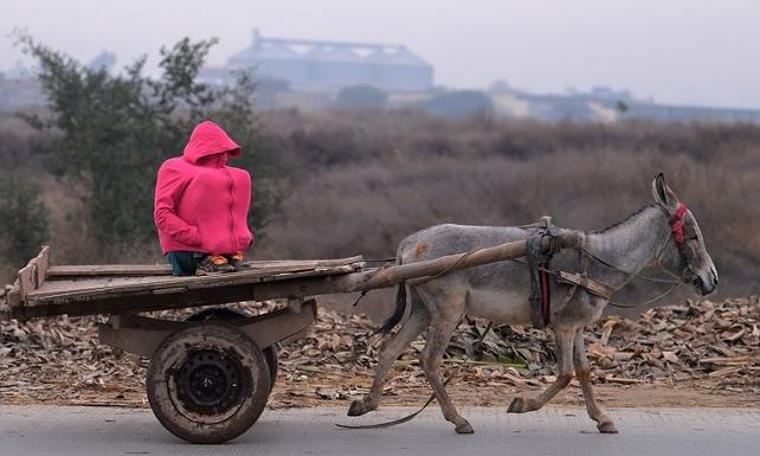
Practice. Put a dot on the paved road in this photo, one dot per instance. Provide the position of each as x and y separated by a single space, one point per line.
81 431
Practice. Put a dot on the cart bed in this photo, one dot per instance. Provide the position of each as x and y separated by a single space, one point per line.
43 290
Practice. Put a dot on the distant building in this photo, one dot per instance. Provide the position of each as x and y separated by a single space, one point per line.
329 65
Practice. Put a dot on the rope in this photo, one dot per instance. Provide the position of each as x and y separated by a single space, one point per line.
673 283
459 261
405 419
483 336
629 273
430 400
380 260
648 301
361 295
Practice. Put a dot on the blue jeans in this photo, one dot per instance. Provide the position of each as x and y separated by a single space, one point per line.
184 263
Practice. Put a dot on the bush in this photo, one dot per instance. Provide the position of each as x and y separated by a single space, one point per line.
361 97
460 104
23 218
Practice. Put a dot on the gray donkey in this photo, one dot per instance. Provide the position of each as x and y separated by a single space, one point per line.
661 235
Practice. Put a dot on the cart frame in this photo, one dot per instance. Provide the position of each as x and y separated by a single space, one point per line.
206 380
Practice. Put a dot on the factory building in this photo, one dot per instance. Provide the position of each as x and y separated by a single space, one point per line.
328 65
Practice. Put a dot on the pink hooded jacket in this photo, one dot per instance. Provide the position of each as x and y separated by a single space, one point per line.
201 204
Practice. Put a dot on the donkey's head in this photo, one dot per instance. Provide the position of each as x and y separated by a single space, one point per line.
687 248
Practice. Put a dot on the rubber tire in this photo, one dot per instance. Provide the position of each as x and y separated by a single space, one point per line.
225 314
172 352
270 353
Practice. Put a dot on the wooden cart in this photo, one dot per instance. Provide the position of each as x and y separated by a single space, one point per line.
210 376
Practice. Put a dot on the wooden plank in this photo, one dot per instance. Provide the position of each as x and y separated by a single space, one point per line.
426 270
31 276
25 279
13 296
42 264
141 335
87 270
61 290
292 287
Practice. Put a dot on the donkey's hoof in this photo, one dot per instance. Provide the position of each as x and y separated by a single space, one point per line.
359 408
607 427
517 406
464 428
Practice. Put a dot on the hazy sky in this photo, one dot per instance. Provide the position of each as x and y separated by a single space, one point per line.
703 52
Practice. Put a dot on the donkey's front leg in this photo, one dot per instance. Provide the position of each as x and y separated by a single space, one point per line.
563 338
583 371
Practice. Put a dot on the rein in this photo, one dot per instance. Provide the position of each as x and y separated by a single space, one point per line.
676 222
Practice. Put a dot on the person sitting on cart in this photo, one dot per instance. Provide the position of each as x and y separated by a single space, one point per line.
201 205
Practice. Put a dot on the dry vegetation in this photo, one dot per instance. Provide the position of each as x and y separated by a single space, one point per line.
696 354
366 181
359 182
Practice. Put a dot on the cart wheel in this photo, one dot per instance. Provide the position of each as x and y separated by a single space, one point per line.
208 383
225 313
270 353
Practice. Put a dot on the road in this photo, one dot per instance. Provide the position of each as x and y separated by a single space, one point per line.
81 431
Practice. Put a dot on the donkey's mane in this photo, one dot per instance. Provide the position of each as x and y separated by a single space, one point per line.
625 220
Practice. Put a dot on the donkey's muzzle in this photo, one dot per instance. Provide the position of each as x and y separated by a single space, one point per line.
706 287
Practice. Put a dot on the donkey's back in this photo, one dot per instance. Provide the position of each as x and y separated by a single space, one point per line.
494 291
448 238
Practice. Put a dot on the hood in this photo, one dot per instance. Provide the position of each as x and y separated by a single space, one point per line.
209 139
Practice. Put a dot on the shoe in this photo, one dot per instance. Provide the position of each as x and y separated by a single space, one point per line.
236 260
214 264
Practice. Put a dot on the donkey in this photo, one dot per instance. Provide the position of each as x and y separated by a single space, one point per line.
663 235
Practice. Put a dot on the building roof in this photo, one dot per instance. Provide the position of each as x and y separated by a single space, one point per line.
296 49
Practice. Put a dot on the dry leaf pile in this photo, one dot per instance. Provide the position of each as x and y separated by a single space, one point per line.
60 360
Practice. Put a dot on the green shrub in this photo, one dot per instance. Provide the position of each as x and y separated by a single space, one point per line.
23 218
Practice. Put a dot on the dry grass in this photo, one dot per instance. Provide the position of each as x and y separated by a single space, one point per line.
362 181
407 171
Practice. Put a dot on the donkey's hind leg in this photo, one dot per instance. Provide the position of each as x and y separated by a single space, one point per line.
582 370
392 347
563 338
442 326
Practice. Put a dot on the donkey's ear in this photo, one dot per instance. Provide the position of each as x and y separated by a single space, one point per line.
663 194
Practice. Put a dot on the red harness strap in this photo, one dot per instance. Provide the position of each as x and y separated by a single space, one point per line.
676 222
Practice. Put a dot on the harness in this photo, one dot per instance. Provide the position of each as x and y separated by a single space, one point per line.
540 272
538 268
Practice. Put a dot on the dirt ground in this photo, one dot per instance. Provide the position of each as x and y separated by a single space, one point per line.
493 395
698 354
338 391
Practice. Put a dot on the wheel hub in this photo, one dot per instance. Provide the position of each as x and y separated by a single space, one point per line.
209 382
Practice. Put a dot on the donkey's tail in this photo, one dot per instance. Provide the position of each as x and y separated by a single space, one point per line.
398 314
